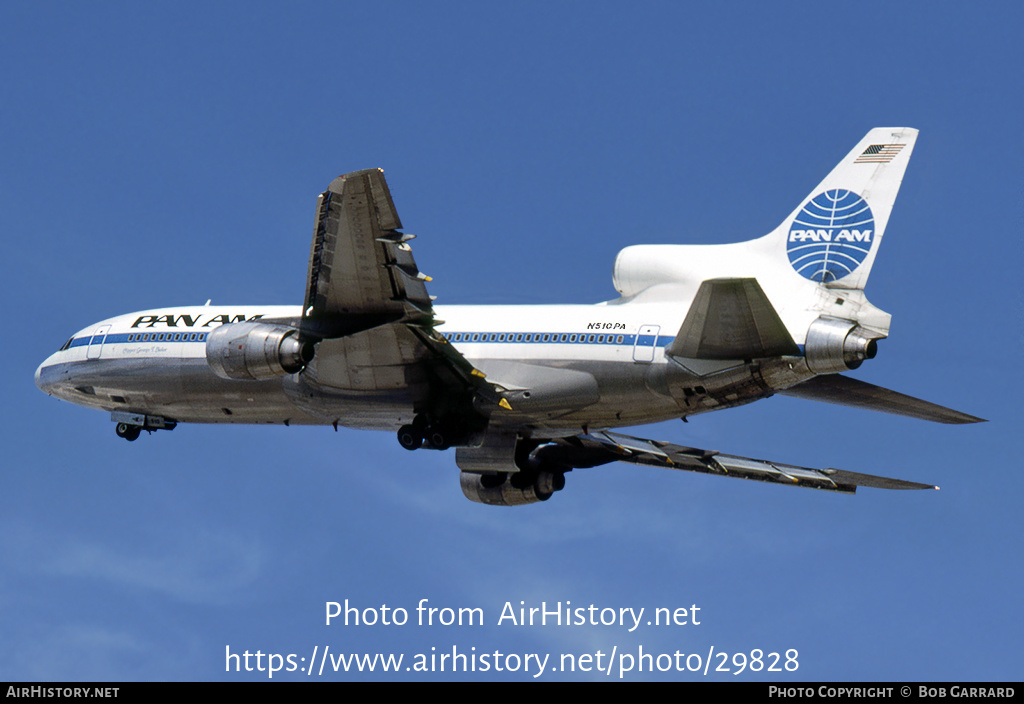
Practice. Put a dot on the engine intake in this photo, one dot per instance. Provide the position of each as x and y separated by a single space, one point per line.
836 345
255 351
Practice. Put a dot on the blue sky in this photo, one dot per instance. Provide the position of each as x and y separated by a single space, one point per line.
166 153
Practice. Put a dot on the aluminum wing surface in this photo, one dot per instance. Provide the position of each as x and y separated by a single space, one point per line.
592 449
367 303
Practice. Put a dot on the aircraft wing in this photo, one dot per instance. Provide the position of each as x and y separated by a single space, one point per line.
361 270
601 447
367 303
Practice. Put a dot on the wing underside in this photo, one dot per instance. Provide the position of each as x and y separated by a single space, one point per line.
601 447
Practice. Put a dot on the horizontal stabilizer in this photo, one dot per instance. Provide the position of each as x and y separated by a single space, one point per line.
846 391
732 319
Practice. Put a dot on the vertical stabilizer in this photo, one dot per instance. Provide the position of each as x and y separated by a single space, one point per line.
832 238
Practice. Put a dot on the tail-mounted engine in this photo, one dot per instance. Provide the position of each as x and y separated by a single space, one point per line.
836 345
255 350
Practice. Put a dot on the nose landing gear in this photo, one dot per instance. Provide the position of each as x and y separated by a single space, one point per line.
130 425
128 432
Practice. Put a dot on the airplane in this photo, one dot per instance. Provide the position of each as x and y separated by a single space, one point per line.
527 393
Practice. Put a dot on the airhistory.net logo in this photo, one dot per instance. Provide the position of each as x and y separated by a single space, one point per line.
831 236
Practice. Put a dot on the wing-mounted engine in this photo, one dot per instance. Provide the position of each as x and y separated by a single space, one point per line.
502 489
255 351
837 345
505 470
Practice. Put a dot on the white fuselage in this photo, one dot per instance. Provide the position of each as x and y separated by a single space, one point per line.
154 362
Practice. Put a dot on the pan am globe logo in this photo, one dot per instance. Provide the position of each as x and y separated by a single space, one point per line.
831 236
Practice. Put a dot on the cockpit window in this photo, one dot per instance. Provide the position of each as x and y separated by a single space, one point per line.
66 345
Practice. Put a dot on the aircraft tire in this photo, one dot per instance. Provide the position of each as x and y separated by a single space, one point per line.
128 432
410 438
438 439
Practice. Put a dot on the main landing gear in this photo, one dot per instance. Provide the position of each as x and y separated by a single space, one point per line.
426 434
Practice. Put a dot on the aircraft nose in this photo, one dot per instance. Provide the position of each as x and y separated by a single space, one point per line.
39 378
46 377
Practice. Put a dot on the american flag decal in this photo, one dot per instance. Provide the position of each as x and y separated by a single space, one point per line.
879 154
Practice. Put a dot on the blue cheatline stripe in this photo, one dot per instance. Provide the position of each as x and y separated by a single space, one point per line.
515 338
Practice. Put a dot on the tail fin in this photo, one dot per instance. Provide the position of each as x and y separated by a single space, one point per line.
815 263
832 238
829 242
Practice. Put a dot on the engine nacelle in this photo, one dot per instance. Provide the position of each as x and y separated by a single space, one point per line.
511 489
836 345
255 350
